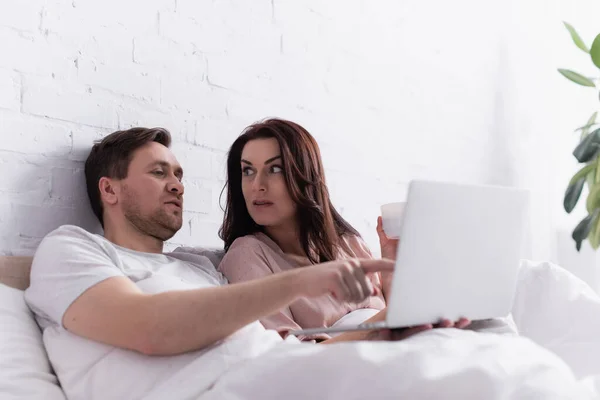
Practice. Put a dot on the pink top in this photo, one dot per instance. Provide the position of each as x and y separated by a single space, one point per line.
256 256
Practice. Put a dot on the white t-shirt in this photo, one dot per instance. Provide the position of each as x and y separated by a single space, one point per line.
69 261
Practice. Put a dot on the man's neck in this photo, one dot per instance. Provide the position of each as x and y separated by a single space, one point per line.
128 236
287 238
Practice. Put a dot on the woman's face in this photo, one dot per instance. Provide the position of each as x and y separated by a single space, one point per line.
263 184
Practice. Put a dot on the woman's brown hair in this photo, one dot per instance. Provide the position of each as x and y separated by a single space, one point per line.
321 226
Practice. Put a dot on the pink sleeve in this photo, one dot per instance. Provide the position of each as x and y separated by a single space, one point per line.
247 262
358 247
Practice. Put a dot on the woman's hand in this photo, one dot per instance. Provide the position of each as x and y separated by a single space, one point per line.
345 280
400 334
389 247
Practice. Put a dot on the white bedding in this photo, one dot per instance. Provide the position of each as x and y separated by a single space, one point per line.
442 364
556 357
560 312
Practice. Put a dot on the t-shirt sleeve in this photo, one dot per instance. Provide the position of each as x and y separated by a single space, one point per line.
68 262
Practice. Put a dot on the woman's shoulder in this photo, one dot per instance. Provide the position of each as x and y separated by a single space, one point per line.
245 241
356 245
244 248
250 252
252 244
353 239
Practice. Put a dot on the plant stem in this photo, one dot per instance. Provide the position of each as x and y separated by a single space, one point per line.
597 178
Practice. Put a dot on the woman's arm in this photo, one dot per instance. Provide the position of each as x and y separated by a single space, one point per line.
358 335
386 284
360 249
394 334
244 263
389 248
382 334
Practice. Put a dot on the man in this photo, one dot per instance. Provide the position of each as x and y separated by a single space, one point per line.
123 320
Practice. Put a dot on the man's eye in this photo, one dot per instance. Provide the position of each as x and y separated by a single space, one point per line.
158 173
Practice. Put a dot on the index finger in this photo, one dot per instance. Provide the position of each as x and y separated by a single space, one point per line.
374 265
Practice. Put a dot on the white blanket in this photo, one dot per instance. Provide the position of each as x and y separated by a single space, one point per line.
556 357
442 364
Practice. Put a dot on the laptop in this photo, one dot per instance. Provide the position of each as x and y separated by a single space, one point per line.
459 254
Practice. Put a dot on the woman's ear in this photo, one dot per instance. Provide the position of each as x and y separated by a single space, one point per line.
108 190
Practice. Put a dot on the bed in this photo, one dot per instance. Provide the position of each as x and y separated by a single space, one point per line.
554 310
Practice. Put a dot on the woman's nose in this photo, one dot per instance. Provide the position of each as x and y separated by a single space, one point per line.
260 183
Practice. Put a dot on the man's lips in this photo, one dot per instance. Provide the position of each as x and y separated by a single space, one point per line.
177 203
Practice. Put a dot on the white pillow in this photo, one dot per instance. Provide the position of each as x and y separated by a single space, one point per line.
561 312
25 371
214 254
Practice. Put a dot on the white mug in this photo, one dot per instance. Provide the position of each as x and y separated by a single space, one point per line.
391 216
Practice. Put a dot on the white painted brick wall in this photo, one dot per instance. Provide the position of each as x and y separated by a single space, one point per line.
10 90
391 90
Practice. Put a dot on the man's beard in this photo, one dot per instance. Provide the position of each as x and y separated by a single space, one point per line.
159 224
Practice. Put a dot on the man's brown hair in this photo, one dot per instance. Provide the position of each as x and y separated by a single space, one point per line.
111 156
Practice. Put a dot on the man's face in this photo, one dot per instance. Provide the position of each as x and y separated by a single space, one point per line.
151 197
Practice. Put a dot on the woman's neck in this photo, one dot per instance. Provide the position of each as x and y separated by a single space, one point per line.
287 238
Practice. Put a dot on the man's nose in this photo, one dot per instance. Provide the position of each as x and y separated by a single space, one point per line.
175 187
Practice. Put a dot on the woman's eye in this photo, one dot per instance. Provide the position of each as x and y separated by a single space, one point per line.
276 169
247 171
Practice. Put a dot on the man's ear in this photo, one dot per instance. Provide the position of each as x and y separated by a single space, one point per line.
108 190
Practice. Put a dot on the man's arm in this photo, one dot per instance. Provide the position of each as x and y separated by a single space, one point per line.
116 312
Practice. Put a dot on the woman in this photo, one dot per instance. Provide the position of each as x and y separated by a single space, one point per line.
279 216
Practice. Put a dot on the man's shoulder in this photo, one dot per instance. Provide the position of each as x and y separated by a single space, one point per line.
70 231
68 235
68 241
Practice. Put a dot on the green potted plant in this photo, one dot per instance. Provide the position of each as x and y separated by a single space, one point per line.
587 153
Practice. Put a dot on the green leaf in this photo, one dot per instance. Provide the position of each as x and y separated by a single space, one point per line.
583 229
588 148
576 77
591 122
593 199
590 178
572 195
585 127
594 236
595 51
582 173
576 38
